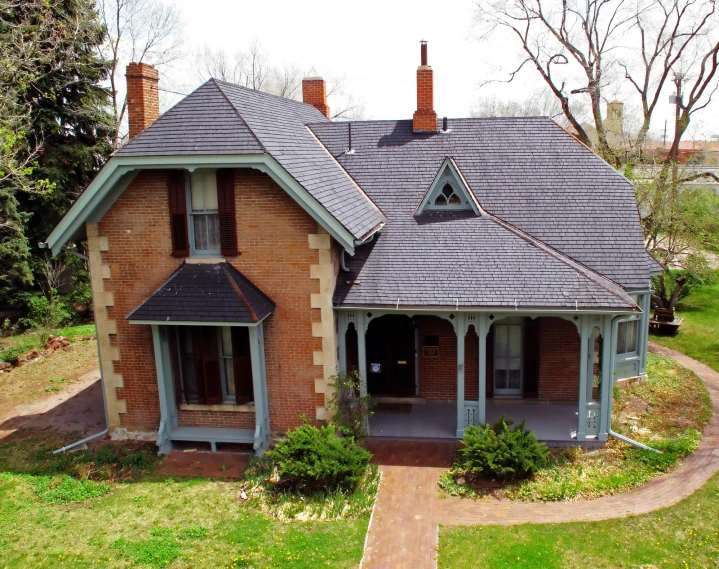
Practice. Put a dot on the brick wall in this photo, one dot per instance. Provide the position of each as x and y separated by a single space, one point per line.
273 240
221 419
558 360
437 375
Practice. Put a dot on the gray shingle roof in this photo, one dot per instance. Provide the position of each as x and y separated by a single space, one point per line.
223 118
526 171
457 259
199 292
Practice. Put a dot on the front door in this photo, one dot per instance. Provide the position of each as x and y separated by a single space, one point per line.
508 359
390 356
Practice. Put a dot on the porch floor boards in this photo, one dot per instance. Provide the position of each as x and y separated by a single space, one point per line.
431 421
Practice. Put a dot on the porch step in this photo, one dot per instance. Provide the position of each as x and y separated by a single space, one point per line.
212 436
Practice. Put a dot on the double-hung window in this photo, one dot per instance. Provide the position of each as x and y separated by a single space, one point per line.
627 337
203 212
215 364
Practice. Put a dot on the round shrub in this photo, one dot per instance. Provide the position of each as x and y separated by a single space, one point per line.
312 459
501 451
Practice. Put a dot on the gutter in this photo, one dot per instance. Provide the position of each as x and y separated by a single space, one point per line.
615 324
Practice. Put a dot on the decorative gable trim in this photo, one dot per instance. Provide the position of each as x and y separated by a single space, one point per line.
449 191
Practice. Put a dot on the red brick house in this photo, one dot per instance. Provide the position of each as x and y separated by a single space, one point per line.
244 248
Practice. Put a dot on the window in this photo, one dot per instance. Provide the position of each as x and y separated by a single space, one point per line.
627 337
215 364
203 211
447 197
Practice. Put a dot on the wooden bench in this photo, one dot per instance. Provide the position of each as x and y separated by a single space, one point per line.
212 436
671 326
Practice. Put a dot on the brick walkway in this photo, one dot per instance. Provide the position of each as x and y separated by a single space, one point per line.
403 531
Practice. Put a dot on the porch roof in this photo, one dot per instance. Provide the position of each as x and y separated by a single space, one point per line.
458 260
206 292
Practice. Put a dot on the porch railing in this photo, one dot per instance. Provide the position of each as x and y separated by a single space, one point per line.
471 413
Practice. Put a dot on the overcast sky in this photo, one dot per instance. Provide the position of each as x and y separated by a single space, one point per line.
374 45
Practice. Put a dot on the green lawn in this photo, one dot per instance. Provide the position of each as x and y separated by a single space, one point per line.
698 335
51 520
686 535
20 344
682 536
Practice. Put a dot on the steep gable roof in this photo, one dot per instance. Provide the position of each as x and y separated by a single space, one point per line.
223 118
204 122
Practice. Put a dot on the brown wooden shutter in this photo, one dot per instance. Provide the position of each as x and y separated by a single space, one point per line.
242 365
490 363
207 366
178 213
226 211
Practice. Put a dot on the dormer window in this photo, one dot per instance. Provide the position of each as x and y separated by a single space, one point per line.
447 197
449 191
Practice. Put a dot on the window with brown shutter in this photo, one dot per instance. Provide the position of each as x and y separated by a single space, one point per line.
208 376
242 365
226 210
178 213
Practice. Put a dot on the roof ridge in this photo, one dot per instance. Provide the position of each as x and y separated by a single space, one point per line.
234 108
265 94
578 267
249 282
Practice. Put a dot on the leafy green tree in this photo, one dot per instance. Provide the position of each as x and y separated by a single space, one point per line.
56 130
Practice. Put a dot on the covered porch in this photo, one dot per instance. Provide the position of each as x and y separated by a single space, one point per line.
552 369
555 424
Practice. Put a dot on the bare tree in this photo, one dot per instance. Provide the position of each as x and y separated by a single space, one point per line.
578 33
253 69
539 103
670 32
141 31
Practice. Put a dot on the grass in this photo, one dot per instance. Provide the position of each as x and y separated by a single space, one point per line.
147 520
698 336
262 496
14 346
668 412
685 535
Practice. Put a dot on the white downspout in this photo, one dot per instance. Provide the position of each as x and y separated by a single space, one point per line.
615 324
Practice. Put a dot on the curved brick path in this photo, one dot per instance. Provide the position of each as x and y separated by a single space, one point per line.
403 531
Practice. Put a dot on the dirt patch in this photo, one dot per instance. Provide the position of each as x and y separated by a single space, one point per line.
78 408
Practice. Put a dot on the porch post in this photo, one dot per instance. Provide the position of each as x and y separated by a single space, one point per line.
165 389
482 331
342 341
461 331
607 379
644 304
259 386
584 328
361 326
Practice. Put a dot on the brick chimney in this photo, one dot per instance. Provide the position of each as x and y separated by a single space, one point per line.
425 119
315 94
143 102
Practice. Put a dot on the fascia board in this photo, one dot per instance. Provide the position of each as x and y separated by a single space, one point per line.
92 200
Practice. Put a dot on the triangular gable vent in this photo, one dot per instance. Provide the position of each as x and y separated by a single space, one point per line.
449 192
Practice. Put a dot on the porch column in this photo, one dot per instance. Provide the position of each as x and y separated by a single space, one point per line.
461 331
165 388
607 384
342 341
644 304
482 331
585 327
259 386
361 326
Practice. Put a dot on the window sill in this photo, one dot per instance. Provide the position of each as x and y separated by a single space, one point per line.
222 407
197 259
